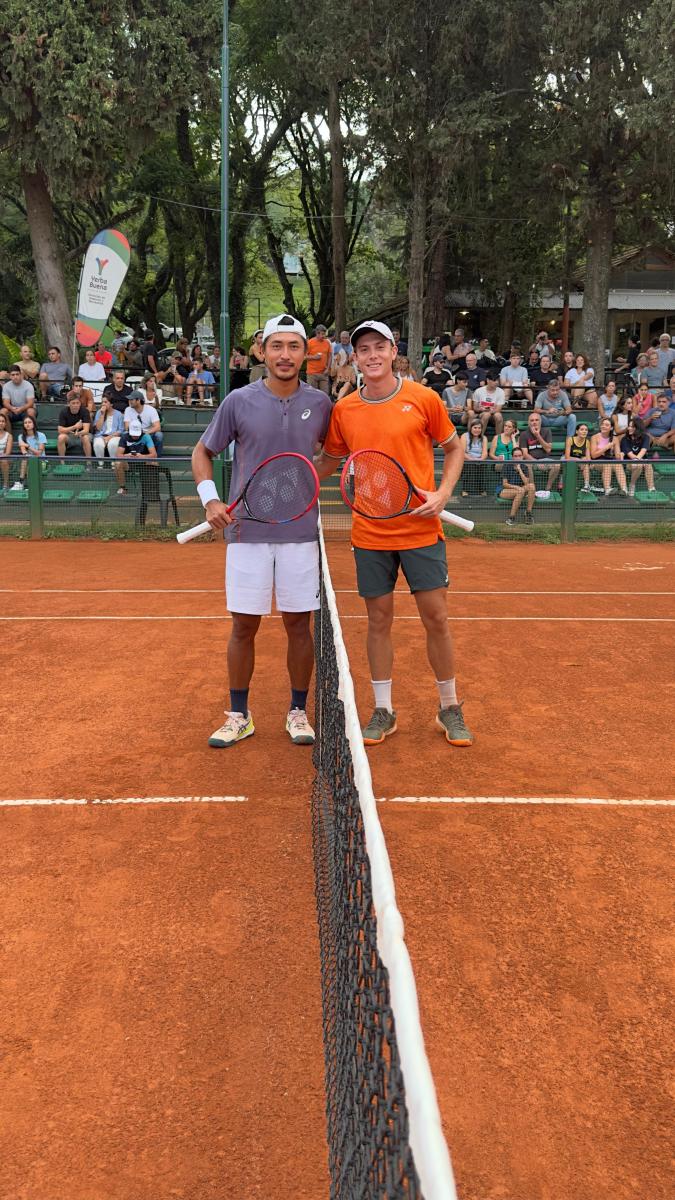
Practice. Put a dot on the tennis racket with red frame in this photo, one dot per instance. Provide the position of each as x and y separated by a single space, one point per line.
281 489
375 485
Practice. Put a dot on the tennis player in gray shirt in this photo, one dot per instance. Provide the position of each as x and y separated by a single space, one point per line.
267 417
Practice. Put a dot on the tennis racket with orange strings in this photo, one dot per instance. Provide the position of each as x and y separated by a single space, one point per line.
375 485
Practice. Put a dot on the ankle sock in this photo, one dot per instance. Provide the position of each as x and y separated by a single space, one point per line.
239 700
299 698
447 692
382 692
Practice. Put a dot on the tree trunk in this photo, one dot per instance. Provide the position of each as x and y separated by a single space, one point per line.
339 242
208 220
600 240
418 238
435 308
55 316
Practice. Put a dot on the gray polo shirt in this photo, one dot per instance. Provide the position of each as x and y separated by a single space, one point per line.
18 394
260 424
546 404
56 372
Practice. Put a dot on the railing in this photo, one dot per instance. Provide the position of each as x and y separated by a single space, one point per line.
81 498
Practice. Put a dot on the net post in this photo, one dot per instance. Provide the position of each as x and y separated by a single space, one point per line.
569 502
35 509
219 475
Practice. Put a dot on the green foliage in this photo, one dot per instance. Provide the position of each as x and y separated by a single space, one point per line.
9 352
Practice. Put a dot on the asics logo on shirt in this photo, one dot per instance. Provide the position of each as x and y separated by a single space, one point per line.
307 413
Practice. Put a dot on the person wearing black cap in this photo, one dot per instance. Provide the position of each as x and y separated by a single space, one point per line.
402 419
437 377
278 413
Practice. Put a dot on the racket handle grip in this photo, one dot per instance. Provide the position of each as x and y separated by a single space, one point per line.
197 530
453 519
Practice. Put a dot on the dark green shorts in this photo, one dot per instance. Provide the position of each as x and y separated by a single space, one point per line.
425 568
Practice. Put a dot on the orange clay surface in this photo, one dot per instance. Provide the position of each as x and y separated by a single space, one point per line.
159 984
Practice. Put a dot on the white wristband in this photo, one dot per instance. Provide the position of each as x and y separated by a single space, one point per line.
207 491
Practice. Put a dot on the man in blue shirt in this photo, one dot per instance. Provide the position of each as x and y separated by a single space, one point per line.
269 416
203 381
660 423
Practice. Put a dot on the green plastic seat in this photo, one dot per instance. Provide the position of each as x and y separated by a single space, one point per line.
17 497
587 498
554 498
651 497
57 495
71 469
93 495
665 468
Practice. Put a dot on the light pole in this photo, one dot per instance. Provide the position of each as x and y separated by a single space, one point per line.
224 207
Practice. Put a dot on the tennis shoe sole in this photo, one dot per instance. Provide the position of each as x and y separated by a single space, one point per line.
384 733
460 741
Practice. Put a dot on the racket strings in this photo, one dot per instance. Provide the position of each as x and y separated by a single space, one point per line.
280 491
376 486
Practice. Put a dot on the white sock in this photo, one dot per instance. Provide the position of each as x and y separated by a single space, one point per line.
447 692
382 690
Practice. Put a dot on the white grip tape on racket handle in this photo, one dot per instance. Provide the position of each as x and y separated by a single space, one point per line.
453 519
197 530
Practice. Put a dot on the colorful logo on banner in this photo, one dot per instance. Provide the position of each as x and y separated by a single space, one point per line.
105 265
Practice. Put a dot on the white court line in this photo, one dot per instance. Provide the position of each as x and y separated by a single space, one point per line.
41 803
338 591
579 800
355 617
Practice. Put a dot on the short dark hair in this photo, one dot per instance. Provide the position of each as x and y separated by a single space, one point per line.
462 376
15 368
57 348
78 379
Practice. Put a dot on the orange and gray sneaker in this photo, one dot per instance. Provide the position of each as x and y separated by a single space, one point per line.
450 721
380 725
235 728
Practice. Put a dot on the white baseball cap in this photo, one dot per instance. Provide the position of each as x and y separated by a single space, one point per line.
135 429
373 327
284 324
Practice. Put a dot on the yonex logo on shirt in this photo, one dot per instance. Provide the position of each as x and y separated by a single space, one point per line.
307 413
406 408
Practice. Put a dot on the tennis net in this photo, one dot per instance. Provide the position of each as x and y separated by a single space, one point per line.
384 1129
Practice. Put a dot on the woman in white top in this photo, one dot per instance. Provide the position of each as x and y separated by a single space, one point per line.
91 371
6 443
32 444
402 367
152 394
583 375
625 410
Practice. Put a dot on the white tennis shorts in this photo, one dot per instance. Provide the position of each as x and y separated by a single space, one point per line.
256 570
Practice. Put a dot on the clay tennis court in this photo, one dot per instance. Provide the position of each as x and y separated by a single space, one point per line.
159 984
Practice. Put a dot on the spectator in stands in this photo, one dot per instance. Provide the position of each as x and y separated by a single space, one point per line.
474 444
633 351
543 372
73 429
92 371
343 344
503 444
199 355
318 361
18 397
108 429
542 345
603 448
203 381
437 376
238 368
30 369
133 444
487 403
536 449
152 394
477 375
84 394
256 357
342 373
177 374
666 355
634 447
32 444
555 408
644 401
55 375
147 416
130 356
608 400
638 369
578 448
215 360
486 357
459 350
118 391
118 346
6 443
625 409
660 423
402 367
400 343
653 374
514 380
517 485
103 355
149 355
456 399
580 379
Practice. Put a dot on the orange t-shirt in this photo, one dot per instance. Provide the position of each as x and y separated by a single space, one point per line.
405 427
314 346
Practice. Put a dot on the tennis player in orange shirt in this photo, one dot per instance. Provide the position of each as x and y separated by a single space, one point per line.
402 419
